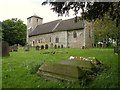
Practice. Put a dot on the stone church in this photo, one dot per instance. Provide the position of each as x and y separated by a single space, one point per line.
59 33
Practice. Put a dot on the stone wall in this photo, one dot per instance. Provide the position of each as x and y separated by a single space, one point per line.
89 37
75 42
50 40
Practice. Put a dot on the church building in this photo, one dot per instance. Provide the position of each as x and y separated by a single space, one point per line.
59 33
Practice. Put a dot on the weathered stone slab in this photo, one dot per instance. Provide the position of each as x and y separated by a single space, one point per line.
85 65
69 70
61 71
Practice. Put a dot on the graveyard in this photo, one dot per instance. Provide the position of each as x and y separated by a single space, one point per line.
20 69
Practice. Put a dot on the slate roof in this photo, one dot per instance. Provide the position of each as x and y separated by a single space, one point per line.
57 25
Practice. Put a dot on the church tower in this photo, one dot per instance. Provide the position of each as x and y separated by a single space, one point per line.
32 23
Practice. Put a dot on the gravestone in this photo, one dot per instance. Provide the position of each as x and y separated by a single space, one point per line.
116 50
15 48
27 47
5 48
10 49
37 47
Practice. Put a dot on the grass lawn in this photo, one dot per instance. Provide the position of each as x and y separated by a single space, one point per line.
18 70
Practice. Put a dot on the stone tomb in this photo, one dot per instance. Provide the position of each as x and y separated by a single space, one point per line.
5 48
67 70
13 48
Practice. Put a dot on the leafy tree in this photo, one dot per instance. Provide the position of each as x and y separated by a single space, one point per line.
106 29
14 31
0 30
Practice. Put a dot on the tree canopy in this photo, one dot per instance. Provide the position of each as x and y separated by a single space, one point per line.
106 31
14 31
90 10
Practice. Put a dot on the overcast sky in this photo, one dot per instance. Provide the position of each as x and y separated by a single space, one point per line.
22 9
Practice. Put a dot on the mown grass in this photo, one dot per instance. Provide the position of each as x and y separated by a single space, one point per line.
19 69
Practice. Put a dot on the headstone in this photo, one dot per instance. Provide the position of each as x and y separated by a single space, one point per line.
5 48
116 50
27 47
15 48
10 49
37 47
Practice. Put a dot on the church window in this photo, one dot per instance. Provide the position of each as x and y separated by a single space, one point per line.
37 20
50 39
74 34
89 33
57 40
39 41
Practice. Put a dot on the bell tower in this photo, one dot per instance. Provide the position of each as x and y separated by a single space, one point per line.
32 23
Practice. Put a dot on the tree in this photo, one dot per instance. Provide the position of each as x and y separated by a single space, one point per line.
14 31
0 30
106 31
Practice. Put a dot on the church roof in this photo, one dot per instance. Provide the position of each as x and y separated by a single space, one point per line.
58 25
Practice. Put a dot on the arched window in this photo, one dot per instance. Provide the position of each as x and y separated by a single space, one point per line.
38 41
57 40
74 34
89 33
50 39
37 20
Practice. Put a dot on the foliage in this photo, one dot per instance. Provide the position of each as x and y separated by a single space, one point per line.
0 30
90 10
106 29
14 31
16 69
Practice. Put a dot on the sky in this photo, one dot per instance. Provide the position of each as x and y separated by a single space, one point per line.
22 9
